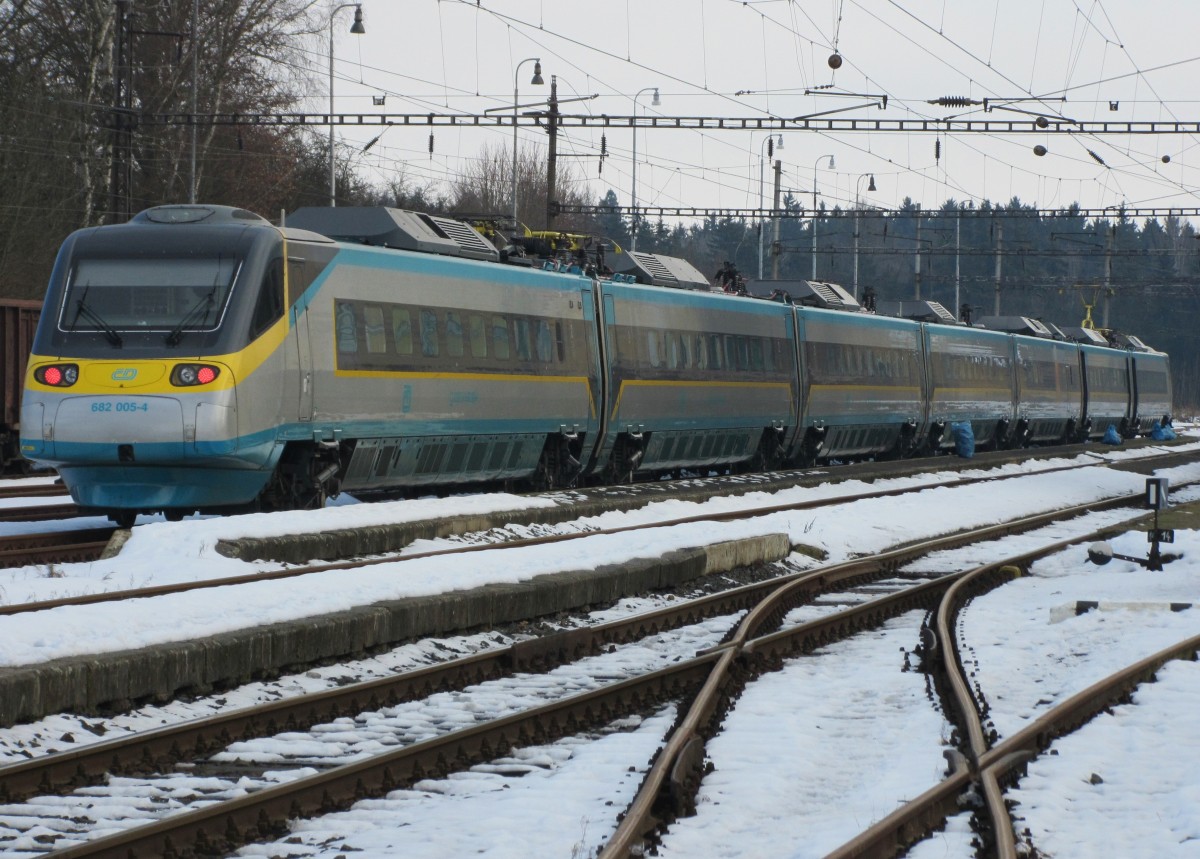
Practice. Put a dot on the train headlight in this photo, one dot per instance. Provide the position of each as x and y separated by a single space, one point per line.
190 375
57 375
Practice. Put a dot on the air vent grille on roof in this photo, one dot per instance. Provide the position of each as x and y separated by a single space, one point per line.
463 233
659 270
816 293
395 228
920 311
1089 336
1015 325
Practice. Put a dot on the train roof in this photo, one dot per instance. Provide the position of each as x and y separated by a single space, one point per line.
195 213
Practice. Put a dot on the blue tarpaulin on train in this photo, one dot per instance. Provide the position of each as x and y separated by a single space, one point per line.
964 439
1111 436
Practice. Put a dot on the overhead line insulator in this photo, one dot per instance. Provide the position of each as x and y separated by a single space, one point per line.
955 101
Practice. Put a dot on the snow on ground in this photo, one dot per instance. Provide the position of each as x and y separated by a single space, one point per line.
789 768
871 525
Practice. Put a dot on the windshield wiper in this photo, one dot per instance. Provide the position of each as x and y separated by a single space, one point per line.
96 319
205 304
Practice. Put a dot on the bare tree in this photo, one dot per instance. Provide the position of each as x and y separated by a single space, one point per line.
486 187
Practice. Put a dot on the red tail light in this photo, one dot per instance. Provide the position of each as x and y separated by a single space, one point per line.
192 375
57 375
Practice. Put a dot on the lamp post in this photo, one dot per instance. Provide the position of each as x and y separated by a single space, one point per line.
857 219
654 102
357 29
814 219
772 143
536 81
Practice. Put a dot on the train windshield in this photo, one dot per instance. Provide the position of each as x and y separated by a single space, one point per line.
171 295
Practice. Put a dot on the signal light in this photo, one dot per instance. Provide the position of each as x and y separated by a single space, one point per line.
57 375
191 375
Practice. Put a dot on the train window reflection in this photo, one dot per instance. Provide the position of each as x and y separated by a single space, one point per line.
149 293
429 333
373 325
454 334
500 344
402 331
478 336
346 328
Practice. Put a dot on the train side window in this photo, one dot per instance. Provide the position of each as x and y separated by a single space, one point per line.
714 352
560 342
346 328
701 354
454 334
756 354
652 356
685 358
373 329
429 334
269 306
477 334
524 352
402 331
500 339
544 344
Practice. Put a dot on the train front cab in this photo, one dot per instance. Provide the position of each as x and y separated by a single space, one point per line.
147 333
971 377
695 380
862 388
1049 390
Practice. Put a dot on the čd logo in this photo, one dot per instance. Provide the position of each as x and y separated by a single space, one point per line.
125 374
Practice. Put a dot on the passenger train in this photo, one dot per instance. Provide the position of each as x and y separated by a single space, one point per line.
200 358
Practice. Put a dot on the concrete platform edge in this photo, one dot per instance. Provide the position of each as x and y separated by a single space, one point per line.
117 680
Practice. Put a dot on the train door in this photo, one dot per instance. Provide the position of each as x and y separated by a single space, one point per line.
605 334
298 322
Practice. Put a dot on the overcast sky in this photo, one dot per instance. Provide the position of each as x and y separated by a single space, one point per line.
460 56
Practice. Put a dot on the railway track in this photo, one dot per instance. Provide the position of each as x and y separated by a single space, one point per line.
754 644
55 547
507 541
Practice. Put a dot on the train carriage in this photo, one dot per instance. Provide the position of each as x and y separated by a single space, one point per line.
694 379
971 378
1151 374
863 388
449 371
18 321
1049 391
1109 387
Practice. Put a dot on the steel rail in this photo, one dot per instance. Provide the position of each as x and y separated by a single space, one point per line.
197 737
313 569
894 833
67 768
640 820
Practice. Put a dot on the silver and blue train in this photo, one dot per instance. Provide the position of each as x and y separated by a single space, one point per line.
200 358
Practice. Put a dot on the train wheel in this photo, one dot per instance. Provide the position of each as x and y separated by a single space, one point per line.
124 518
